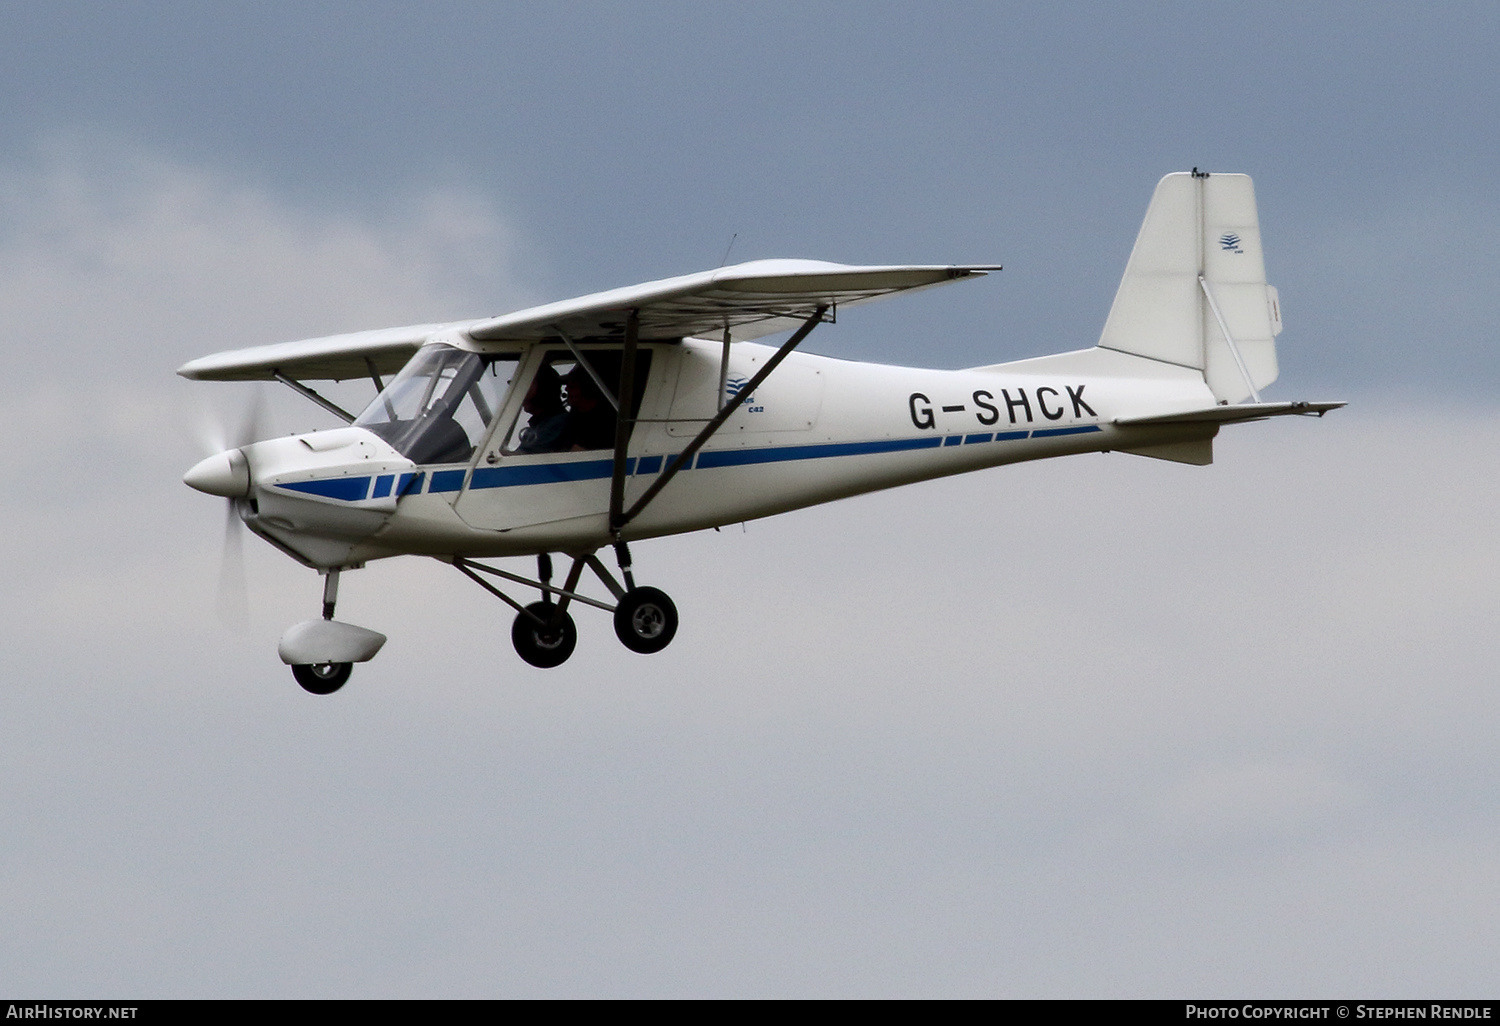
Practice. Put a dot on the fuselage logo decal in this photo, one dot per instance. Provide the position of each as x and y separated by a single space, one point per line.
734 389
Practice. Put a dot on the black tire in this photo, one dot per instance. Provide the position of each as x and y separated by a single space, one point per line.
544 646
645 620
322 678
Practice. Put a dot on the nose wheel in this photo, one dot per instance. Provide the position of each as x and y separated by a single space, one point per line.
322 678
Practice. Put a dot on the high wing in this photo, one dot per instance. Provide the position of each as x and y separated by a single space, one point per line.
333 358
748 300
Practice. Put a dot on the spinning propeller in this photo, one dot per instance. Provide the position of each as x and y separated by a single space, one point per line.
227 473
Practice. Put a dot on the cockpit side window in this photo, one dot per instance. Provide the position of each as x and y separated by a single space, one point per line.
441 404
564 409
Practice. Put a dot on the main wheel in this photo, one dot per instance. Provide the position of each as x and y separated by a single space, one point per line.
546 644
645 620
322 678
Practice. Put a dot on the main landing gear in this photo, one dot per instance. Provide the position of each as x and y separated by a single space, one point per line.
543 632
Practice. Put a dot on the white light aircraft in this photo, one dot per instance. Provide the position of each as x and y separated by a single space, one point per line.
647 411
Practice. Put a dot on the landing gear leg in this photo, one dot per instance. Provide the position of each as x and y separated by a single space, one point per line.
622 556
330 592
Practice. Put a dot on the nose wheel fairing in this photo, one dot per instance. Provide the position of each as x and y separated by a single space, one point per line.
315 642
322 653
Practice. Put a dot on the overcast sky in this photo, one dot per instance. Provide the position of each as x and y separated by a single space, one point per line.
1102 726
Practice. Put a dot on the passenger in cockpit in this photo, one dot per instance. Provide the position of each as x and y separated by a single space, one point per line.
591 420
544 405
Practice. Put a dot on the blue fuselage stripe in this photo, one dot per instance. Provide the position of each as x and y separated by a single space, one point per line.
346 489
1054 432
779 454
553 473
355 489
446 481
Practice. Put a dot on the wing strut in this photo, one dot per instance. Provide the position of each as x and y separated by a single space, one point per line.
623 420
586 365
618 521
724 369
301 389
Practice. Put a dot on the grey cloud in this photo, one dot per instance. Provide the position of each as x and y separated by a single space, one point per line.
118 259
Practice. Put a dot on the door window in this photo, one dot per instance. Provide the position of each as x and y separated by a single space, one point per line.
564 409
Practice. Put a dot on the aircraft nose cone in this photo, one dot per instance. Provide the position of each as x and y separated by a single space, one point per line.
225 473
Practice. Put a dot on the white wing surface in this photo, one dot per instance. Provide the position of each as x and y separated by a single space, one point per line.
336 357
749 300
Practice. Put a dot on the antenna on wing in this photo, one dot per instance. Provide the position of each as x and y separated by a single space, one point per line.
728 248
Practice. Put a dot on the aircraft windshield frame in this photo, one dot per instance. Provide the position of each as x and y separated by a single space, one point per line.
439 408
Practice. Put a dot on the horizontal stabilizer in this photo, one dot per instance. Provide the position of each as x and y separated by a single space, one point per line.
1233 414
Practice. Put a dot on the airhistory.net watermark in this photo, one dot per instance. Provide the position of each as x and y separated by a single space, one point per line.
44 1010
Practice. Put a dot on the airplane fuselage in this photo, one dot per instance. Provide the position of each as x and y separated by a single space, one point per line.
817 429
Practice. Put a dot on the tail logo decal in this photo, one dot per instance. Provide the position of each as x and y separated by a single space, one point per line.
1230 242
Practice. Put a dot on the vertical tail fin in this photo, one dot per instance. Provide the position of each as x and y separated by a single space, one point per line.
1195 292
